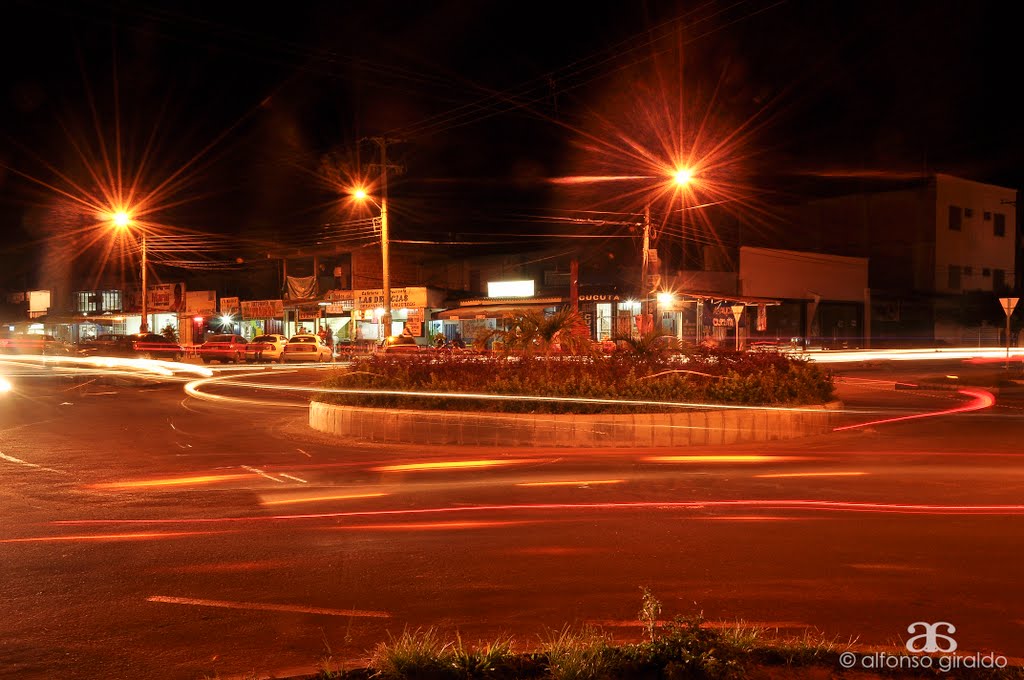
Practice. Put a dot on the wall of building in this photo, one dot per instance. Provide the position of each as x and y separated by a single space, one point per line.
895 230
973 257
792 275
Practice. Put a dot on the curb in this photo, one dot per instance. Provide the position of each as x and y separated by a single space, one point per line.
618 430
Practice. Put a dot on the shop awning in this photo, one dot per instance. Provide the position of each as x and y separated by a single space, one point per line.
503 311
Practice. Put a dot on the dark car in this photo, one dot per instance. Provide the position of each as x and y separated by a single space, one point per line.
148 346
224 348
105 344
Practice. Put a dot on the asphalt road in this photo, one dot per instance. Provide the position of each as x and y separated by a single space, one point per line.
146 533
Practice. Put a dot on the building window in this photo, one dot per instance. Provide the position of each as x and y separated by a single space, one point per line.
954 277
987 216
998 279
968 212
954 217
968 270
999 225
985 271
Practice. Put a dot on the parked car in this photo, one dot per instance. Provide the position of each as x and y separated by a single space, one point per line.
399 344
104 344
148 346
223 348
266 348
306 347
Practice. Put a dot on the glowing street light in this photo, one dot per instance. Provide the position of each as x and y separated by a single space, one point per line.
122 220
683 176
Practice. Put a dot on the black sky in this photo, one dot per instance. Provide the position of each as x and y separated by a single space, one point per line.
490 98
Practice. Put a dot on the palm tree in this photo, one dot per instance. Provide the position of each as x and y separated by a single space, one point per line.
532 332
651 347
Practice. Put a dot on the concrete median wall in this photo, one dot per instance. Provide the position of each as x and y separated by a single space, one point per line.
682 428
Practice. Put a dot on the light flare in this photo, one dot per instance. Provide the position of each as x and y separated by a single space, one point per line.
321 499
172 481
743 458
574 482
811 474
140 536
269 607
427 526
449 465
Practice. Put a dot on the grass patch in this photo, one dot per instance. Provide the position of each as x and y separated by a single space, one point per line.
683 648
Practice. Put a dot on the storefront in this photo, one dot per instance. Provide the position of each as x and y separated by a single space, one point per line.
411 307
475 318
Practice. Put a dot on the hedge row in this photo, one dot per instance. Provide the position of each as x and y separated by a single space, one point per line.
702 376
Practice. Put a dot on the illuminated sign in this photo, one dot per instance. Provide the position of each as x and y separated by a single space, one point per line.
509 289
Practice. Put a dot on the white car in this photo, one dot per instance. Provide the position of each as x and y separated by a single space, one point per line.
307 348
265 348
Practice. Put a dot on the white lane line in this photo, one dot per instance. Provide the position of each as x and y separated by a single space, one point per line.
261 473
269 607
19 461
297 479
304 453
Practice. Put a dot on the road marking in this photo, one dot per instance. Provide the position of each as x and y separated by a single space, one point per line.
304 453
269 607
261 473
19 461
297 479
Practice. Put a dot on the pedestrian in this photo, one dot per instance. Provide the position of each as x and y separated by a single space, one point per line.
457 341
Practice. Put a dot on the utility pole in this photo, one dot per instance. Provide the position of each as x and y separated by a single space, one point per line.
385 246
644 263
144 326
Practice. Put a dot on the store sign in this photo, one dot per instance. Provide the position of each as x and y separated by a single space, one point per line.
166 297
611 297
510 289
201 302
338 307
308 312
262 309
400 297
415 327
229 306
723 317
341 296
38 301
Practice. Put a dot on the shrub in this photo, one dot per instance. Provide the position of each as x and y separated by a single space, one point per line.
609 382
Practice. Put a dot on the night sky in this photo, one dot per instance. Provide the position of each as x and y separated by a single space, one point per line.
252 109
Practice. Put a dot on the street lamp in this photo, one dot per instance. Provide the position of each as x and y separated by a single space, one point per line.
123 221
385 252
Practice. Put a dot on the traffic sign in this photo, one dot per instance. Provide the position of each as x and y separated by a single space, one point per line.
1008 304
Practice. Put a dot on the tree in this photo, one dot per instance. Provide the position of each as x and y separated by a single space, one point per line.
170 332
532 332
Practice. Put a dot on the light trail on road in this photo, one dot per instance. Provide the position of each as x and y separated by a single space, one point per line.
981 399
771 504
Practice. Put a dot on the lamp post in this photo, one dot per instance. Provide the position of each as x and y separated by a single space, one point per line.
385 251
123 221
